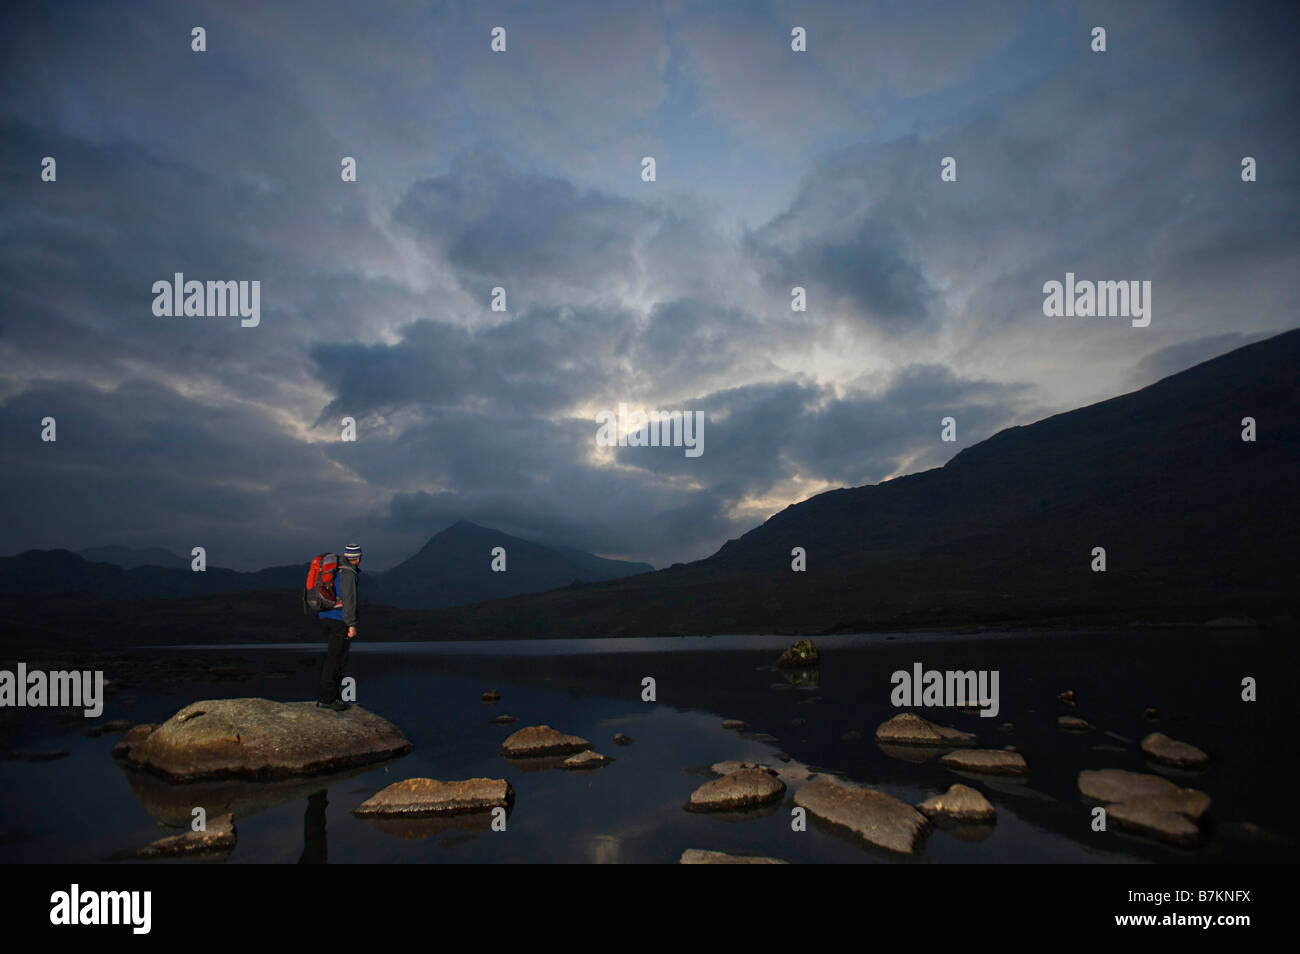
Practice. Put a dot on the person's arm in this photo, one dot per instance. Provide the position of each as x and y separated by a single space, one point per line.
348 594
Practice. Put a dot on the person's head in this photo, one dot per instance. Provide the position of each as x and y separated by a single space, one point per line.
353 554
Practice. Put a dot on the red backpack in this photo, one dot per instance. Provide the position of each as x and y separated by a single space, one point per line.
318 595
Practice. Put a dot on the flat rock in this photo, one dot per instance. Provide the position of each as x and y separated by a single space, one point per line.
585 760
621 739
732 724
502 720
1073 724
1114 786
698 856
258 738
1160 748
490 696
802 654
877 818
1147 817
908 728
428 796
986 761
539 740
960 803
747 788
220 836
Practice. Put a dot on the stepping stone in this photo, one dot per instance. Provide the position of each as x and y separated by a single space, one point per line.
908 728
538 740
986 761
428 796
873 816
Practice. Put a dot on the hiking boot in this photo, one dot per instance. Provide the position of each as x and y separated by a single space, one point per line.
338 705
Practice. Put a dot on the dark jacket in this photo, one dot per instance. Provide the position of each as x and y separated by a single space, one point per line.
345 587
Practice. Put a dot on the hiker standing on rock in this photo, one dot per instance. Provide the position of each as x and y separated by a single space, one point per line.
338 627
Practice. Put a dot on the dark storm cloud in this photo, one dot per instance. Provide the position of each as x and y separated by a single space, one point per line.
521 171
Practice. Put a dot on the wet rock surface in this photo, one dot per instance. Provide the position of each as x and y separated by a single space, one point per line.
219 836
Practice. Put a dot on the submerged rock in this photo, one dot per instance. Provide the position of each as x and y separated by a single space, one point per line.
1068 697
959 803
698 856
746 788
52 756
491 696
1160 748
428 796
220 836
1117 786
621 739
585 760
258 738
801 655
908 728
502 720
539 740
732 724
873 816
111 727
986 761
1073 724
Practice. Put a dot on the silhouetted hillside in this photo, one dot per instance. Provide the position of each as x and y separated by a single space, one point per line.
1194 521
130 557
455 567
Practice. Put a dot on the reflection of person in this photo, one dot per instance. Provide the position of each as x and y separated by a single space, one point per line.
315 851
338 626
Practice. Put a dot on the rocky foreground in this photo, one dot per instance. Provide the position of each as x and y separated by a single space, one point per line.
258 738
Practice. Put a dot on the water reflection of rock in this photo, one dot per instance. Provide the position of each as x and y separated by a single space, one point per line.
428 826
806 678
171 804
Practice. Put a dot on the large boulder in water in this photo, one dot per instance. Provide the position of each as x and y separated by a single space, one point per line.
258 738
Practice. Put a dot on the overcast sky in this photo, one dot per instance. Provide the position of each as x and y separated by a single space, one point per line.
522 169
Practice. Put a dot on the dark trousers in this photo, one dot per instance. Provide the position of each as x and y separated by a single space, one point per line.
335 635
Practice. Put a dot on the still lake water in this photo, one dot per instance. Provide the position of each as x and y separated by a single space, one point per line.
84 807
